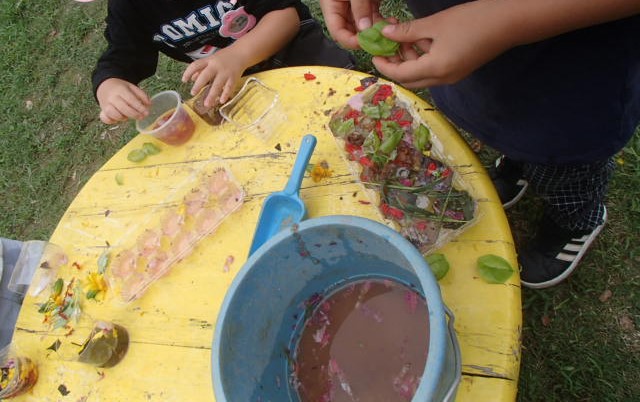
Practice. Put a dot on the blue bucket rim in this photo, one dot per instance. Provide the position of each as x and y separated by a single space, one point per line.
437 339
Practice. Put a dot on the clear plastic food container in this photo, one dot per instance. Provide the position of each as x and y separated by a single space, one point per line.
170 232
255 109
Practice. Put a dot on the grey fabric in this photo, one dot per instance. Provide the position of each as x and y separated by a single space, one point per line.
10 302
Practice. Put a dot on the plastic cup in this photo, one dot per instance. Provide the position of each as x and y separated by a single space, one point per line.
17 373
168 119
37 265
94 342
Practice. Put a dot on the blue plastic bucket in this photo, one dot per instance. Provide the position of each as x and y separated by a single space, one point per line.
252 339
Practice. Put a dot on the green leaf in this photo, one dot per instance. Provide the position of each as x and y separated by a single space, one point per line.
91 294
150 148
371 143
438 264
58 322
392 134
119 179
494 269
343 128
373 42
55 345
57 287
380 111
137 155
422 137
103 261
44 307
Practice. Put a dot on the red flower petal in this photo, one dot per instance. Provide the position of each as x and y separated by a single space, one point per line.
309 76
365 161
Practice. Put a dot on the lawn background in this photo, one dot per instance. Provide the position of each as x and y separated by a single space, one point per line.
580 339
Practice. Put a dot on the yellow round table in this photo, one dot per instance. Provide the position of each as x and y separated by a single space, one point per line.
171 325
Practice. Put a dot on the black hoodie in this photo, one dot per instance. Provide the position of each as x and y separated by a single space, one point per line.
184 30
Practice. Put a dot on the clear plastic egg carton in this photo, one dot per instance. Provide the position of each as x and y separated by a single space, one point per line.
171 231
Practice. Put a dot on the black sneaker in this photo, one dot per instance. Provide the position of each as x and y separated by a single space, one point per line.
508 181
554 254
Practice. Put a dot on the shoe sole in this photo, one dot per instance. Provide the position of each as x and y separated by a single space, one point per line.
518 196
574 264
521 182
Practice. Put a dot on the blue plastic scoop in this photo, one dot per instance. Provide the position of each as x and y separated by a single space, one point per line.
284 208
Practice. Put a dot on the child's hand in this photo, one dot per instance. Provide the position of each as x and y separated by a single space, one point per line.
120 100
222 70
447 46
345 18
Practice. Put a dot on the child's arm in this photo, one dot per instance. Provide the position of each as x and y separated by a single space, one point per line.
225 67
458 40
120 100
129 58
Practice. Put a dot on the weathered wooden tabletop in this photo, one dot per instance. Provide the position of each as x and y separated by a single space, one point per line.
171 325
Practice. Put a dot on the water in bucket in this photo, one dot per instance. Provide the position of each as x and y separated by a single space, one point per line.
367 340
253 350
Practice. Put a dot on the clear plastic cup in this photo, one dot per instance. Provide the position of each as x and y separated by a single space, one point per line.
168 119
95 342
18 373
37 266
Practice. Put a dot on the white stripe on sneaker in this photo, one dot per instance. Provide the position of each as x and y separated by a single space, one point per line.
574 259
573 247
566 257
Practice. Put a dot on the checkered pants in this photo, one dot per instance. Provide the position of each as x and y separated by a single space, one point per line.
573 194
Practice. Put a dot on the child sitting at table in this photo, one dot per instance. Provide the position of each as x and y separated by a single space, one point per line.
221 39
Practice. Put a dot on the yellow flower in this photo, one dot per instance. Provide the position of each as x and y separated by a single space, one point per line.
320 171
620 161
95 286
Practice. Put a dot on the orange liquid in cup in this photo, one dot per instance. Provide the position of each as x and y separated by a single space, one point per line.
178 131
18 375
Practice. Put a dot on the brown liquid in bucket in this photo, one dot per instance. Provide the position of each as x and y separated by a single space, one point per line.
367 341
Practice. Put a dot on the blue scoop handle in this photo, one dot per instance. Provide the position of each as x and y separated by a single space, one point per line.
304 154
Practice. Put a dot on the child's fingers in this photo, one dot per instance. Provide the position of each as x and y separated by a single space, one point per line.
111 115
424 45
202 81
227 90
134 106
213 98
408 52
192 71
141 95
105 118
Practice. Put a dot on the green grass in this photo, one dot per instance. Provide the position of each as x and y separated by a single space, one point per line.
578 344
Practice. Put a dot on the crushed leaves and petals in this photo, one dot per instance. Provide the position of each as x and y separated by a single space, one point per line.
63 304
411 299
227 263
320 171
405 383
393 151
336 370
